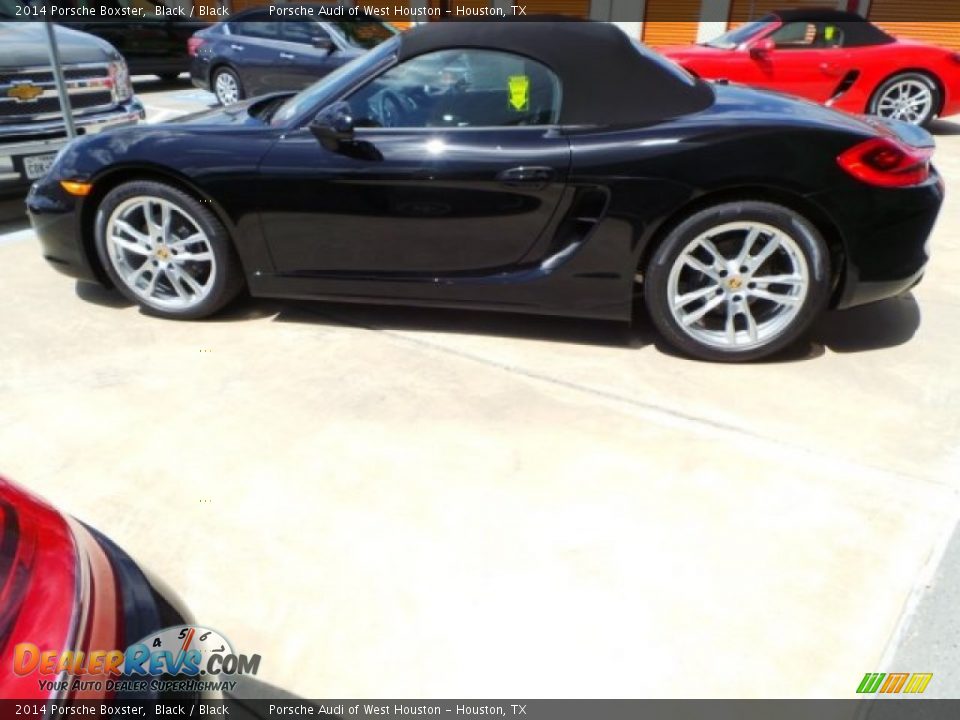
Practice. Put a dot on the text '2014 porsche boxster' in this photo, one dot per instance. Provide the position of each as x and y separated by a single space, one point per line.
555 168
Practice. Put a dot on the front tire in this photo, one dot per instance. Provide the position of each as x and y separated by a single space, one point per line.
911 97
737 281
227 86
165 251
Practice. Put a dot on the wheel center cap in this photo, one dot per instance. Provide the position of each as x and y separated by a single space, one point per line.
735 283
162 253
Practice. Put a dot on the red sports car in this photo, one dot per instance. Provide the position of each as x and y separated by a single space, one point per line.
834 58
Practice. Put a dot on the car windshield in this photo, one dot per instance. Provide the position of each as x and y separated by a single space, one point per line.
364 34
333 84
736 37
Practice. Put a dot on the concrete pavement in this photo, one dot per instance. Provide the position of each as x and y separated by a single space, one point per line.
390 502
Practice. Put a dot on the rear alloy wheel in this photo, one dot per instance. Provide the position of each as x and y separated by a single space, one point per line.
737 281
910 97
165 251
227 87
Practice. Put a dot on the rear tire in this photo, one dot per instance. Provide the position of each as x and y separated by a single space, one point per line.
912 97
226 85
165 251
737 281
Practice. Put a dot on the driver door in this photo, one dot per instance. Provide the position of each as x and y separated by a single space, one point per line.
808 59
455 167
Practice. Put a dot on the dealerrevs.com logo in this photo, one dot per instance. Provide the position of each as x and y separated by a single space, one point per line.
181 658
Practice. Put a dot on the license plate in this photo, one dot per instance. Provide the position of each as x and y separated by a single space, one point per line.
35 166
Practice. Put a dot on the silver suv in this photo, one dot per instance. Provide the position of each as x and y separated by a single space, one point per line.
32 127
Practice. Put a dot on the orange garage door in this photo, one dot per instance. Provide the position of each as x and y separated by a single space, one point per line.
935 21
671 22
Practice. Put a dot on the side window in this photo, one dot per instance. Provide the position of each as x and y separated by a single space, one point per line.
256 25
460 88
302 31
794 35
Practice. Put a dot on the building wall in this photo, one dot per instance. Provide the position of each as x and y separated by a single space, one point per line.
906 19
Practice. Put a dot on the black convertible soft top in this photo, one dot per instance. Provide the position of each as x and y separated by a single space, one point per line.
606 78
857 32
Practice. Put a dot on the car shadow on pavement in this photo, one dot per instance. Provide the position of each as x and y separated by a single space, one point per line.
876 326
944 127
245 308
883 324
391 318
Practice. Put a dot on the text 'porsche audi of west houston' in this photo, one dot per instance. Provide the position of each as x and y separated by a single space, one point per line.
490 165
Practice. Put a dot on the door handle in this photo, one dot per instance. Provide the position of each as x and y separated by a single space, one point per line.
287 56
831 68
234 46
536 177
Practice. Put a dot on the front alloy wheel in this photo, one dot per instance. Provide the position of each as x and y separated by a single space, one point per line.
165 251
737 281
161 253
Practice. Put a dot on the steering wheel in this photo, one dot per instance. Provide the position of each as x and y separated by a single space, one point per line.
391 109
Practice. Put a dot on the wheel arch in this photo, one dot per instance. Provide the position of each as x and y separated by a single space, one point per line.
791 200
119 175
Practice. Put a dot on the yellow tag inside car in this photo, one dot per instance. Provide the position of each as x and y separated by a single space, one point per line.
830 32
518 92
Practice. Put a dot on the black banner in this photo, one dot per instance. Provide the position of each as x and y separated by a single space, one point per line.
139 11
870 709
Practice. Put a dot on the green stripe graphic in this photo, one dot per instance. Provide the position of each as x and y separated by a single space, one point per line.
871 682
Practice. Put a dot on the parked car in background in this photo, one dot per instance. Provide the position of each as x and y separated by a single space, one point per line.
487 165
151 43
253 53
32 127
834 58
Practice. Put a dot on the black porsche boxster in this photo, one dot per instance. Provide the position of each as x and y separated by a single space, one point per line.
556 168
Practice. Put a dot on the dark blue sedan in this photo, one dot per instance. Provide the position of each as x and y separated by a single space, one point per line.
254 52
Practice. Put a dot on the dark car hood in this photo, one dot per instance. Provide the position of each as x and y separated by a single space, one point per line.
245 113
24 44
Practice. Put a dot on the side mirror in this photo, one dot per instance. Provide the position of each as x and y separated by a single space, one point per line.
333 126
762 48
323 42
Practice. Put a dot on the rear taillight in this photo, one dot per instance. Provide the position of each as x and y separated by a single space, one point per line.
194 44
39 594
886 162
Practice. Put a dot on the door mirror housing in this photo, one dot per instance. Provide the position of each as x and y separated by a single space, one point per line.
323 42
762 48
333 126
